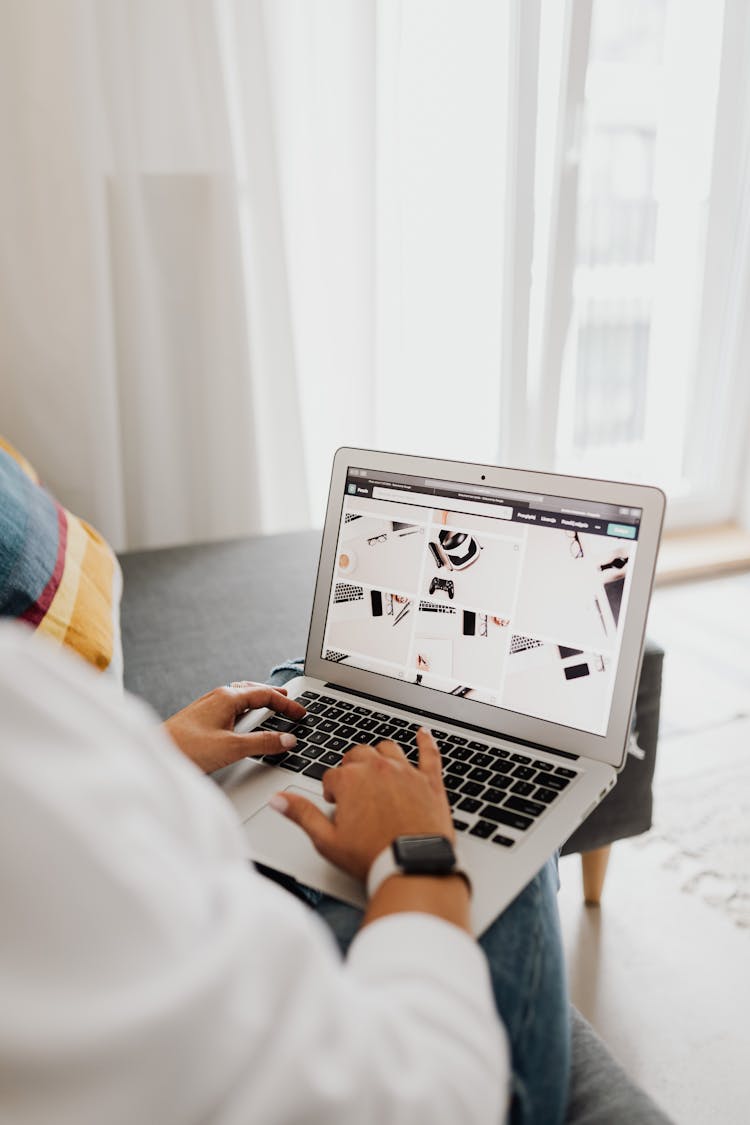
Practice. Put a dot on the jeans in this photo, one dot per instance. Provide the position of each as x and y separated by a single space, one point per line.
524 952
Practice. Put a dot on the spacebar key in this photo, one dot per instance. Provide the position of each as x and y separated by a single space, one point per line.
316 770
506 816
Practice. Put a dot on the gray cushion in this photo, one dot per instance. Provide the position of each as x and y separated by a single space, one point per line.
601 1093
194 617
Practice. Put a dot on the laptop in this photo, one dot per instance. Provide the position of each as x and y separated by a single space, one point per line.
523 663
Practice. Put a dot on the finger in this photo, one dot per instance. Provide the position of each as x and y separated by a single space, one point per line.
261 695
261 742
333 779
358 753
308 816
429 757
390 749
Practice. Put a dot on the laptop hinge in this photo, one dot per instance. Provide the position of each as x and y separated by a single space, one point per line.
458 723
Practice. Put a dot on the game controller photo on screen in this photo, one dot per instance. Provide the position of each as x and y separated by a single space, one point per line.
471 569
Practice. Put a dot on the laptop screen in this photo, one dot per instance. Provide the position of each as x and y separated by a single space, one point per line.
511 599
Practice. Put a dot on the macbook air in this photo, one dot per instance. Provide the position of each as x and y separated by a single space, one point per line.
523 663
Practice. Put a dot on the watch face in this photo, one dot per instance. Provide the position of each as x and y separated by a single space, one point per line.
425 855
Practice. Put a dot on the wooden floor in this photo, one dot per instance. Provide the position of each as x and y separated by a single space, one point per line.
663 975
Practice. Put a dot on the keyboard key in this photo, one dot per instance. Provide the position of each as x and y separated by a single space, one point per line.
469 804
546 795
539 765
552 781
522 788
458 753
506 816
452 781
471 788
564 772
361 710
457 740
275 759
316 770
500 781
460 825
307 695
478 745
504 841
522 805
520 758
480 759
478 774
317 708
310 751
331 758
328 699
460 768
389 731
483 829
501 753
380 716
412 754
338 714
318 738
338 743
294 762
453 797
348 732
523 772
367 723
439 733
494 796
502 767
398 722
275 722
413 728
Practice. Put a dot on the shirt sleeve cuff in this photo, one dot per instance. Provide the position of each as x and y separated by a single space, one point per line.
422 945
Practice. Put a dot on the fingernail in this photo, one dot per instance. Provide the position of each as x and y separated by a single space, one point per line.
288 741
279 803
425 730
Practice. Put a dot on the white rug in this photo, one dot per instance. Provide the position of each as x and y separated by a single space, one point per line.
701 830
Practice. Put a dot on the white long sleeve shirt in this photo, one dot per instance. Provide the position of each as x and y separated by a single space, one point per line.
148 974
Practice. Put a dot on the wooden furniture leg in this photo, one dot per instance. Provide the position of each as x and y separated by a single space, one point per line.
594 866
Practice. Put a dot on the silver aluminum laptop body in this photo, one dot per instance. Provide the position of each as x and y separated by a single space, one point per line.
532 649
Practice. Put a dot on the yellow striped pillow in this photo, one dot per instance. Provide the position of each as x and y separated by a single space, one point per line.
56 572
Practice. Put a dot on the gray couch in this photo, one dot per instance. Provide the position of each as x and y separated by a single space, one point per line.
194 617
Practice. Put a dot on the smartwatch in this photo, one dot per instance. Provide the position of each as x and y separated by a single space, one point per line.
415 855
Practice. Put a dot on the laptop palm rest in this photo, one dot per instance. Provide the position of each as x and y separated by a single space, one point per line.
283 845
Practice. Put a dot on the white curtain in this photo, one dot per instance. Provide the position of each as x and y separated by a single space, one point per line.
236 234
145 372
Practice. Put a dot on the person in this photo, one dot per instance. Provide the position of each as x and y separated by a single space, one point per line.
150 973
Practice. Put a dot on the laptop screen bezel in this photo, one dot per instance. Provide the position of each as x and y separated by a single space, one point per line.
609 747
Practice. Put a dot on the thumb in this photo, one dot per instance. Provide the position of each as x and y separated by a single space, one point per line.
308 816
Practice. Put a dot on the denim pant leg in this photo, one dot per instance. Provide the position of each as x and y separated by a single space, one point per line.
524 952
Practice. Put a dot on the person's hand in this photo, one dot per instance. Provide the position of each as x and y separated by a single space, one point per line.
204 730
379 795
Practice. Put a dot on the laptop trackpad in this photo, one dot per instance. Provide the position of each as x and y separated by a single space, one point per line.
281 844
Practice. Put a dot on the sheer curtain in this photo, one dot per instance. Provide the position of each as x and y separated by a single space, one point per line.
238 234
144 369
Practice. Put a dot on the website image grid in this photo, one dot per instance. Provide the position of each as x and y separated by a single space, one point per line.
528 618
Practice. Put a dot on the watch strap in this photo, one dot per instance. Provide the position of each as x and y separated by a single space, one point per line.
384 865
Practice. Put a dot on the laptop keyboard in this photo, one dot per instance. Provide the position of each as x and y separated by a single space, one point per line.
489 788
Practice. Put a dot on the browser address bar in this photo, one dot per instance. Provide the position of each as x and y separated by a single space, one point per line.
423 500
